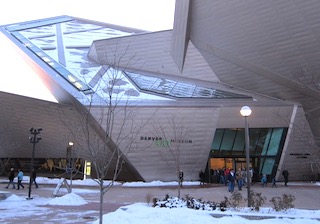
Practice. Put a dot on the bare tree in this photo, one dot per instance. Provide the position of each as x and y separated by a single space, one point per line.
8 145
309 81
300 134
173 134
108 129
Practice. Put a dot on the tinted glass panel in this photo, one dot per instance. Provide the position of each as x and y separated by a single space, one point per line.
263 141
178 88
267 166
217 139
266 145
163 86
228 139
275 141
239 142
254 134
183 90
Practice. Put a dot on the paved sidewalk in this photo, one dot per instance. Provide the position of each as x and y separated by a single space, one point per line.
307 197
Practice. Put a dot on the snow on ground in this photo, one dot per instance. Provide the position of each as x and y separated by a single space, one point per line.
140 213
68 199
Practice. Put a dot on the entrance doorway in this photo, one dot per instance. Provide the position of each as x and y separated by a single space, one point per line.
235 163
240 163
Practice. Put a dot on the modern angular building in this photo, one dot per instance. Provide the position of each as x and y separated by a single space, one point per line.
184 89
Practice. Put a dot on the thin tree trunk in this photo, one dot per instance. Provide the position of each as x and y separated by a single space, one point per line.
101 205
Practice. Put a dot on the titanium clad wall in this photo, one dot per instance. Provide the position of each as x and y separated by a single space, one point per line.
151 158
150 52
19 114
261 117
180 35
302 156
268 47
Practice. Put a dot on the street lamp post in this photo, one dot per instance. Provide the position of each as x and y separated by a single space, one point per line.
245 112
70 163
33 139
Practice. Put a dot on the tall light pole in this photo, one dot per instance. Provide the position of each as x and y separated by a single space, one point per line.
70 162
245 112
34 139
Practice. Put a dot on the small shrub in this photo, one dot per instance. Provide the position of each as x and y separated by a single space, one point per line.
223 204
284 203
189 202
233 202
198 204
257 200
154 202
235 199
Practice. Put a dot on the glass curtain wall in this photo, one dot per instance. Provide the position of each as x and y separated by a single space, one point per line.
265 146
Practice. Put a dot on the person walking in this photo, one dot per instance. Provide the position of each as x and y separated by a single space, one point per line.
244 176
20 178
33 177
239 178
180 177
285 175
222 179
251 175
11 178
274 182
264 180
226 174
231 180
201 176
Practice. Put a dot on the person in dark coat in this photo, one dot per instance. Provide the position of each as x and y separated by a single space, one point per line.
201 175
33 177
285 175
274 182
231 180
180 177
11 178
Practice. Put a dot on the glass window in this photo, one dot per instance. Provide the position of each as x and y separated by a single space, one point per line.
228 139
163 86
275 141
145 82
254 137
267 141
202 92
266 166
217 139
183 90
178 89
263 141
239 142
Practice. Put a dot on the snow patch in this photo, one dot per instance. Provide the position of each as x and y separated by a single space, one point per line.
67 200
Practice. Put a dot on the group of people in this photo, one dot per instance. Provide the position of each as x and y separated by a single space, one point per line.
285 174
221 175
238 177
20 175
228 177
232 178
